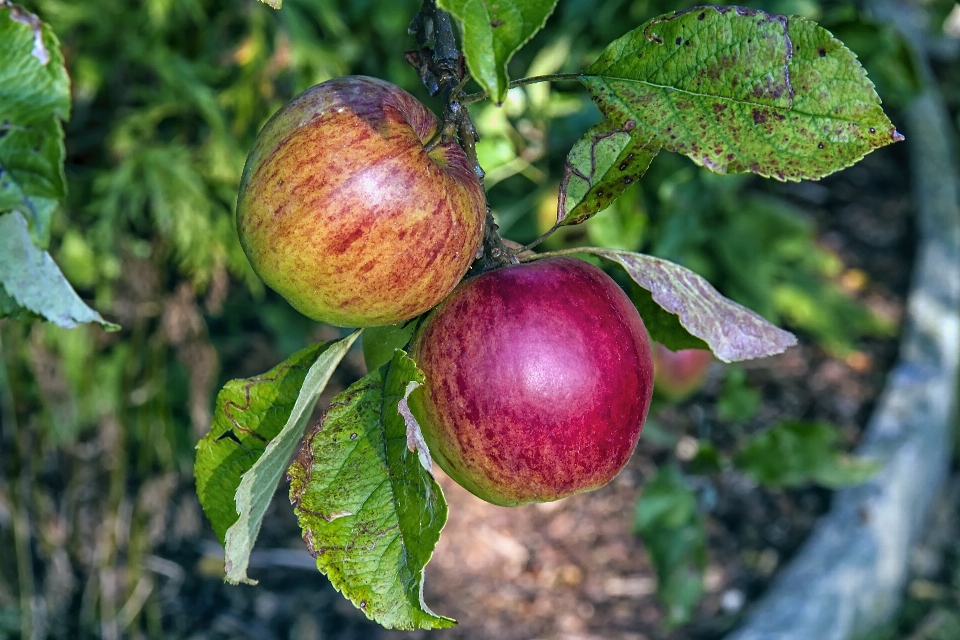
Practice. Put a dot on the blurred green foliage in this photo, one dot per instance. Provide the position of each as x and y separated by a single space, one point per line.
672 527
793 453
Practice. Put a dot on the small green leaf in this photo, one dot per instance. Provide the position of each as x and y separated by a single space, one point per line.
794 453
738 401
274 4
34 99
674 534
740 90
258 485
371 513
250 415
33 281
730 330
493 32
379 343
601 166
707 460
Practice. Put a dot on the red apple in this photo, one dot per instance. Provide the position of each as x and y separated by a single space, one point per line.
345 214
538 381
680 374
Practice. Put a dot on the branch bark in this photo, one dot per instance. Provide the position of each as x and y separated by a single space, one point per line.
440 65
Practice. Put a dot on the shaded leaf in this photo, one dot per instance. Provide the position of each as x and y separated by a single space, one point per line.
10 309
34 99
250 414
794 453
33 280
707 460
370 513
740 90
493 32
258 485
600 166
379 343
730 330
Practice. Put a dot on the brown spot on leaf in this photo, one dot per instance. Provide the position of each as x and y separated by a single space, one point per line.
629 125
822 52
759 117
679 40
496 23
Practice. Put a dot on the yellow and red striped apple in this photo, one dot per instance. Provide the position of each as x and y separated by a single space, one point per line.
344 212
538 381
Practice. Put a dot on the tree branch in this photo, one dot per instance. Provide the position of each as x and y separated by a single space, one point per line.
440 65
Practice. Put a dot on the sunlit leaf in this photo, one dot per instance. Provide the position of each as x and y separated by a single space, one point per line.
371 513
34 282
730 330
601 166
34 99
259 483
256 425
740 90
493 32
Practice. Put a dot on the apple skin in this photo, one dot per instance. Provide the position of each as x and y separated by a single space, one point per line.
538 381
679 374
344 213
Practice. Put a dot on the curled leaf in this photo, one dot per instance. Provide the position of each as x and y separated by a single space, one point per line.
729 329
601 166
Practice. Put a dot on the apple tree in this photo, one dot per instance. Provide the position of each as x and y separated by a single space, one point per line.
494 361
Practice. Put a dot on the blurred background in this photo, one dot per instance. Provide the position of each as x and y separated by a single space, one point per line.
101 535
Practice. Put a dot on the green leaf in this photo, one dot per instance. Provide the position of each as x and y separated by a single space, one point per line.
258 485
379 343
707 460
674 534
34 99
600 166
740 90
33 281
493 32
370 511
663 326
10 309
274 4
256 425
738 401
794 453
730 330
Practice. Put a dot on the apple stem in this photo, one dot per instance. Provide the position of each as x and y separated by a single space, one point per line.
471 98
441 70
